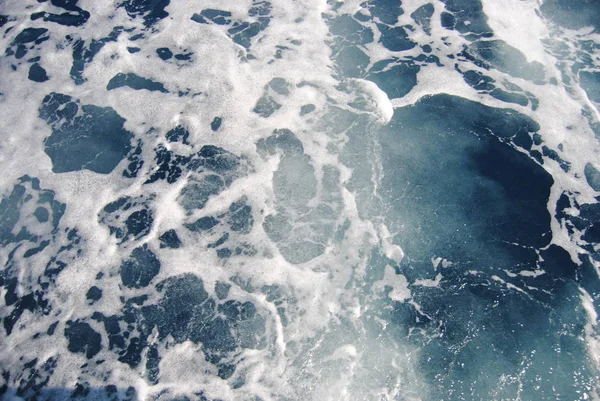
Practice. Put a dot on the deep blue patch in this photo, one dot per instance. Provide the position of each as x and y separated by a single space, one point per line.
222 289
37 73
139 222
552 154
184 56
186 312
169 166
485 194
93 294
151 11
240 216
572 14
52 329
10 213
21 195
224 253
307 109
260 9
33 251
30 383
31 302
216 123
152 364
295 185
396 81
279 85
199 19
83 55
26 40
387 11
351 62
75 16
82 338
127 219
135 161
486 331
266 106
220 241
202 224
469 18
41 214
69 5
216 159
164 53
478 81
169 239
448 20
282 139
395 39
136 82
94 140
139 270
178 134
242 33
508 97
590 82
20 53
423 58
500 55
349 31
592 176
219 17
30 35
422 16
222 168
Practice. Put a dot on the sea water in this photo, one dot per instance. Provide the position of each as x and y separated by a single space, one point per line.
300 200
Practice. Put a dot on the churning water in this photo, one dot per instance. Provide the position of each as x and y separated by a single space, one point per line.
300 200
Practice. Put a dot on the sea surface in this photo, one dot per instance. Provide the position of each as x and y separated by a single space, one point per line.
309 200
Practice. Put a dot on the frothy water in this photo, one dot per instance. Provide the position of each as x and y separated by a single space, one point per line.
309 200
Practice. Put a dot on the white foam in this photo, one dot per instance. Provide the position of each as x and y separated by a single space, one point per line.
400 291
590 328
391 250
518 24
428 282
383 105
433 80
326 290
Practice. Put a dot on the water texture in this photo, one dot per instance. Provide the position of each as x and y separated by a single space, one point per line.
308 200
